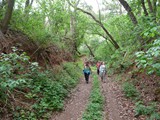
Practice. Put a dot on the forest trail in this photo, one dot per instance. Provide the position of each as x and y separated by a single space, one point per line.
76 105
116 106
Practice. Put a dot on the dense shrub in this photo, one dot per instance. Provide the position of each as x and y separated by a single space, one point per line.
150 60
130 90
149 110
43 90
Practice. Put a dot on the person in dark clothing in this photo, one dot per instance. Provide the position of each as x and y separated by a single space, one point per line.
87 72
98 65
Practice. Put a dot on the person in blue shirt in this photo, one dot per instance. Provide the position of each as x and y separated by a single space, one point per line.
87 72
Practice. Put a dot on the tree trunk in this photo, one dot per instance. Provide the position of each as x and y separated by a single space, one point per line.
31 2
1 36
144 8
73 31
8 16
27 3
129 10
150 6
155 8
28 6
90 50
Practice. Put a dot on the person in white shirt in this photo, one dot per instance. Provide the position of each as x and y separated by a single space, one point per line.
102 72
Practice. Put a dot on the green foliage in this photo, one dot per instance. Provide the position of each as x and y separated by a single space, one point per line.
23 114
130 90
35 23
151 32
72 69
122 30
47 22
12 70
120 60
95 106
102 51
149 110
154 116
46 89
149 60
52 89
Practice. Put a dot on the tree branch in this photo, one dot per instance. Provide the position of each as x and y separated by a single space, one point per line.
115 44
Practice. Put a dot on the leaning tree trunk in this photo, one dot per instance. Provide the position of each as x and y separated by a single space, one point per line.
144 8
8 16
115 44
129 10
90 50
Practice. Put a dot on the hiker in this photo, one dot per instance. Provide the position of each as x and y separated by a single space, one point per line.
86 71
102 72
98 65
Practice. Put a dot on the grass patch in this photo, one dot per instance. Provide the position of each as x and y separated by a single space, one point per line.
96 101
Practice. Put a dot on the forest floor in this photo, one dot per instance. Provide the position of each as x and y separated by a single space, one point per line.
116 106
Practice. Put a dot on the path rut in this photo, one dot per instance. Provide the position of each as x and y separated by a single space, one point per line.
117 107
77 104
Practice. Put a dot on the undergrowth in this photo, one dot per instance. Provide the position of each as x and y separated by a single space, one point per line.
130 91
96 101
28 92
150 110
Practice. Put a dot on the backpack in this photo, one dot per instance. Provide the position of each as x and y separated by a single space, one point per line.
86 71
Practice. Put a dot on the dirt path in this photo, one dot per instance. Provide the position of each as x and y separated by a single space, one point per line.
76 105
117 107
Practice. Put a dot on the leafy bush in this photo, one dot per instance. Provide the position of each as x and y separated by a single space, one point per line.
130 90
46 90
150 60
72 69
154 116
144 110
52 89
13 70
